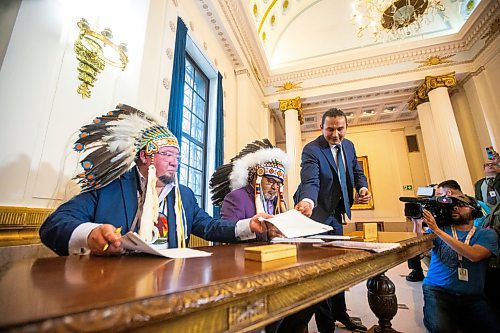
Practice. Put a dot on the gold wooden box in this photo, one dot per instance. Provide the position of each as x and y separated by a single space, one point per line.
265 253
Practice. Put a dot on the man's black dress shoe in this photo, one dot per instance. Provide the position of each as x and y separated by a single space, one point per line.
350 324
415 276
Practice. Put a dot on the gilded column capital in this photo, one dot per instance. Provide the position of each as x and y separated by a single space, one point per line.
418 97
446 80
431 82
293 103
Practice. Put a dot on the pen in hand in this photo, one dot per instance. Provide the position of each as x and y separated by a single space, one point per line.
117 232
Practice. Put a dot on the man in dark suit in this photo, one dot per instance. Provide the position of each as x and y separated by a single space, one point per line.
329 173
487 189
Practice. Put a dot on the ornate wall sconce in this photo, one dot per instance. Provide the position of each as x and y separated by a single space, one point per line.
93 50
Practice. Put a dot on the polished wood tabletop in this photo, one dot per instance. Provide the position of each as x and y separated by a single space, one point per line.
127 291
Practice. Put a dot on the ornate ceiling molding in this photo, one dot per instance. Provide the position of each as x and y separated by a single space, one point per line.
243 32
246 37
219 31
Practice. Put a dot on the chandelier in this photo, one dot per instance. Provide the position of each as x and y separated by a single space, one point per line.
389 19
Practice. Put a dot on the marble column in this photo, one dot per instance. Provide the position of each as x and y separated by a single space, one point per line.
444 149
429 136
481 96
292 112
448 138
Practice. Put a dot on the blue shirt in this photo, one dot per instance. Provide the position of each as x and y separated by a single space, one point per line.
443 268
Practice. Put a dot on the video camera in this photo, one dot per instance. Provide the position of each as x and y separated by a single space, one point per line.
440 207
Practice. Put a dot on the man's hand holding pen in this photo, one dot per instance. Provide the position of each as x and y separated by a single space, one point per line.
105 239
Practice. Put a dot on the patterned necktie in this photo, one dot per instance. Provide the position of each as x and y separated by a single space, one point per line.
491 200
343 182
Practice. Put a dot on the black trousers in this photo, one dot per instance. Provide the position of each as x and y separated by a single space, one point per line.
333 308
415 264
329 311
294 323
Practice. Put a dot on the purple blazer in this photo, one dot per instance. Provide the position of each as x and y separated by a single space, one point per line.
238 204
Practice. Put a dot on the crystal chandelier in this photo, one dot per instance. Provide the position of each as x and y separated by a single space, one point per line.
393 19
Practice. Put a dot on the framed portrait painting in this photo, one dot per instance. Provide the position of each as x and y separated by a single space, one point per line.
363 163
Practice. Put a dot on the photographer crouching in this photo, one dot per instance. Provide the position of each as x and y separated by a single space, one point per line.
453 288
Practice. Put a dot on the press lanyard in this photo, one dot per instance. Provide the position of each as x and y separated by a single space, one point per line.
467 239
463 273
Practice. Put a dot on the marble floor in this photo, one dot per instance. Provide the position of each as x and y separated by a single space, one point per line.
410 300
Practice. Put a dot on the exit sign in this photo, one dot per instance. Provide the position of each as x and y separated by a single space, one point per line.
407 187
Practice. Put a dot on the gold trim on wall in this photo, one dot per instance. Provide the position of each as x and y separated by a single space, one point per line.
19 225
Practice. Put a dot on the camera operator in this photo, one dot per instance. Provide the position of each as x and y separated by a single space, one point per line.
453 288
445 188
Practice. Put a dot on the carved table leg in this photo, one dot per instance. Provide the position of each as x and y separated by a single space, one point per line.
383 302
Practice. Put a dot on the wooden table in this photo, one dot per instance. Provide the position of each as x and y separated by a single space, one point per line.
220 293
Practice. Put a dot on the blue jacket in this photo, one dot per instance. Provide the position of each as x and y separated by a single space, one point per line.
116 204
319 180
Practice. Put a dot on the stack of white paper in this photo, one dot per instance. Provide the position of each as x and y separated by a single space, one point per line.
132 241
370 246
336 237
293 224
296 240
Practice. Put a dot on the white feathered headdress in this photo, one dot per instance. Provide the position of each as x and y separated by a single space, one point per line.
258 158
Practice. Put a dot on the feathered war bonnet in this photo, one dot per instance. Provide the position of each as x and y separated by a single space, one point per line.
110 145
111 142
260 159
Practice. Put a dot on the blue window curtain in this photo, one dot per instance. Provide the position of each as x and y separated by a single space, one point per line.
219 133
175 107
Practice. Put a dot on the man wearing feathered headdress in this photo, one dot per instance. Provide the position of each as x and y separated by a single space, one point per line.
251 183
129 182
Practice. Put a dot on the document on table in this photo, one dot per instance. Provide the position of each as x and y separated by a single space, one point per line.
132 241
293 224
296 240
370 246
332 237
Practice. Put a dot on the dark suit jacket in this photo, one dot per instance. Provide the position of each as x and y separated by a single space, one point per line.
477 187
116 204
319 180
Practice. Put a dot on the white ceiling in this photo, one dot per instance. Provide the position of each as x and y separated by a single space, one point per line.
311 46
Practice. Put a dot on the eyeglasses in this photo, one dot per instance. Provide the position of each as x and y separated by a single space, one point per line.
169 155
489 165
273 182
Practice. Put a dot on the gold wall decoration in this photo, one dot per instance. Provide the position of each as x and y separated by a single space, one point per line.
288 86
363 163
293 103
435 60
271 5
92 51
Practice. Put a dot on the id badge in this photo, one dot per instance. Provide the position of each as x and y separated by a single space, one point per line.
463 274
493 194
